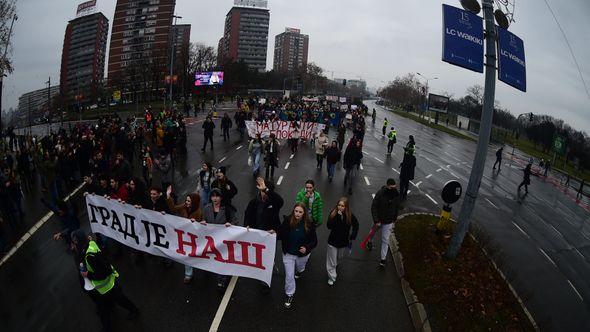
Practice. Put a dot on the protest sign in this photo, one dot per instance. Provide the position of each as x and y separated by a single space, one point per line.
284 129
224 250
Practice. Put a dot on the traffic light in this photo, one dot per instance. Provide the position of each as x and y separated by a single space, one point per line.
531 117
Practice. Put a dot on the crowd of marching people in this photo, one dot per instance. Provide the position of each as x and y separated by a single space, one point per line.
133 162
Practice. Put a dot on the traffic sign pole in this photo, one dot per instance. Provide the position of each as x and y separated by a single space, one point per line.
484 133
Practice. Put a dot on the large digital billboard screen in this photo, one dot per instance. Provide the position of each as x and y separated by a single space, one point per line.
209 78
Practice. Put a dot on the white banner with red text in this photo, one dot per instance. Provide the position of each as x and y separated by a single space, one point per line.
284 129
223 250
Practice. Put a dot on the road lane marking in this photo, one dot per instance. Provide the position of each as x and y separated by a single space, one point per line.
222 159
223 305
280 180
365 152
494 205
438 170
448 166
373 195
427 158
579 253
413 183
555 229
379 160
34 229
395 170
575 290
418 184
520 229
432 199
292 156
547 256
239 147
428 176
287 165
367 181
361 165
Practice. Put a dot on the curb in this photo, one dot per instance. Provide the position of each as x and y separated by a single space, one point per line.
415 307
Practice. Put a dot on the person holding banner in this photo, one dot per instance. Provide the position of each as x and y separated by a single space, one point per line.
222 214
255 150
340 223
298 237
272 156
294 140
190 209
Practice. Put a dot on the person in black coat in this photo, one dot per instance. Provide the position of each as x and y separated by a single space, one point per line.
343 227
526 180
227 187
333 156
352 162
263 211
208 127
384 209
298 237
272 156
226 124
406 172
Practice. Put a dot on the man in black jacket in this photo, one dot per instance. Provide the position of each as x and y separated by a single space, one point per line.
226 124
352 162
263 210
384 209
208 127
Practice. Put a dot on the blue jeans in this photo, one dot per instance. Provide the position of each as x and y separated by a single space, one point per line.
205 193
331 168
256 163
188 271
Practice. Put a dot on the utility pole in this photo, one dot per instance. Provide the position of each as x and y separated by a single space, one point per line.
49 104
173 44
484 133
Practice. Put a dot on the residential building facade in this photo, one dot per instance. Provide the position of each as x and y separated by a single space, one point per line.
291 49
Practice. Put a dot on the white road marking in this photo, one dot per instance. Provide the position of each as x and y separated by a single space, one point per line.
575 290
432 199
223 305
239 147
547 256
365 152
367 181
361 165
418 184
34 229
438 170
280 180
448 166
494 205
428 176
222 159
413 183
409 191
373 195
291 156
427 158
287 165
579 253
555 229
379 160
395 170
520 229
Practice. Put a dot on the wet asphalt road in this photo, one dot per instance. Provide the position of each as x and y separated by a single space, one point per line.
545 238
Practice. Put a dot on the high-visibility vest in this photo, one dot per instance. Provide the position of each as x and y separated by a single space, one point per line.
385 123
393 135
105 285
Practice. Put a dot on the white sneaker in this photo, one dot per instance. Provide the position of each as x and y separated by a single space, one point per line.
330 282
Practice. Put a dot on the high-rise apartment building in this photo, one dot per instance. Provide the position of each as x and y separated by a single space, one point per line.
33 105
83 58
291 49
182 38
140 40
245 36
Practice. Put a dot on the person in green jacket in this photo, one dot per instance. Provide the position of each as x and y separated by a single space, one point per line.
312 200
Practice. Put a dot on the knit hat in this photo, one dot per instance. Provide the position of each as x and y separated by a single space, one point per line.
216 192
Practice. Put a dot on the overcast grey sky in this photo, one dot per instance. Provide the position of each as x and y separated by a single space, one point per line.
373 39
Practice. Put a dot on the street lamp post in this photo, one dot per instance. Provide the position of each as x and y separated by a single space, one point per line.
173 43
426 94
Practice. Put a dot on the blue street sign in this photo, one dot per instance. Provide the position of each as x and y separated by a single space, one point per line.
462 38
511 64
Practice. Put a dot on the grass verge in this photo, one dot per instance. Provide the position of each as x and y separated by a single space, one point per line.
466 294
432 125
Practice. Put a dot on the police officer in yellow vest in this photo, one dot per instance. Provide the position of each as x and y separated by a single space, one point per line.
384 129
392 136
101 278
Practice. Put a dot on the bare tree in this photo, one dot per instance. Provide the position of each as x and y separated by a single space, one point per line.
7 13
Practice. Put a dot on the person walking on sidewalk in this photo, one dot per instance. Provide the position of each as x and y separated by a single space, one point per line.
498 158
384 128
352 162
392 139
298 238
384 210
547 167
208 127
189 209
226 125
526 180
255 149
312 200
343 226
581 190
321 143
106 290
333 156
